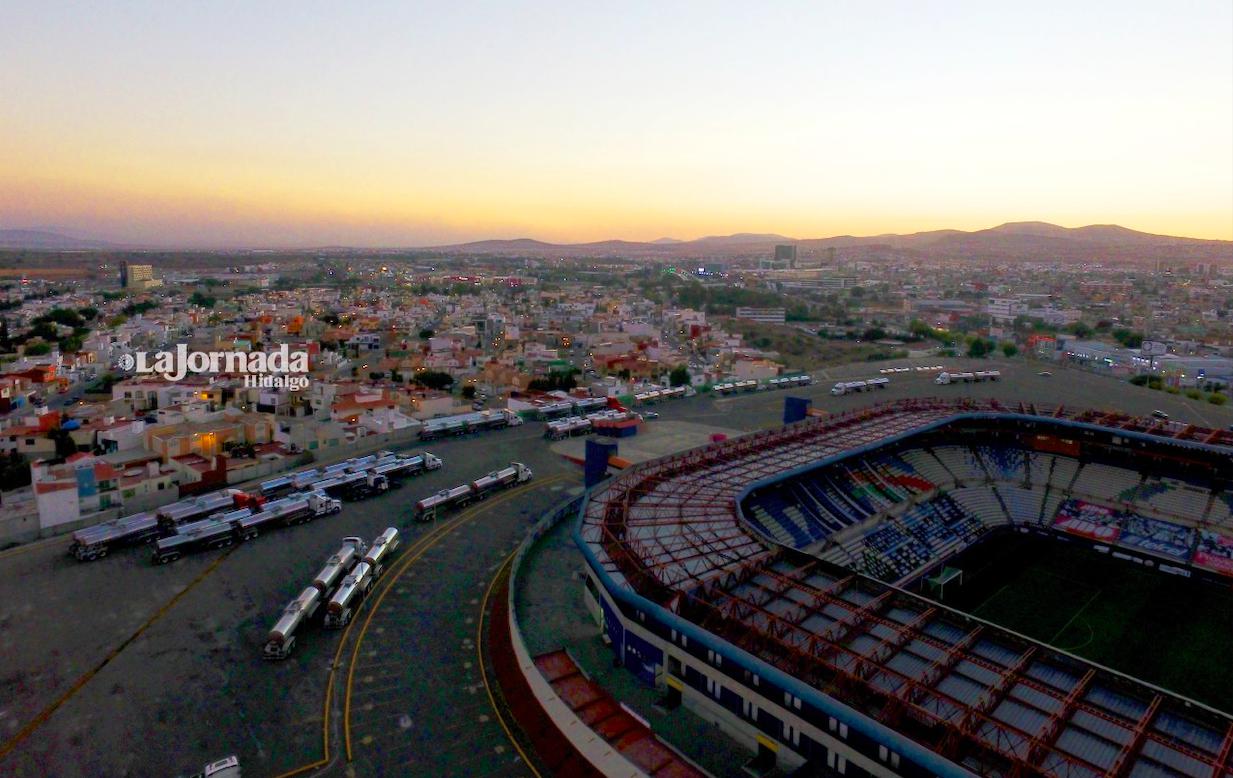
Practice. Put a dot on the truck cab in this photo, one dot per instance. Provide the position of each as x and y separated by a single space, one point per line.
322 504
228 767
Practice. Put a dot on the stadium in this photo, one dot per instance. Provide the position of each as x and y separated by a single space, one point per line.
931 587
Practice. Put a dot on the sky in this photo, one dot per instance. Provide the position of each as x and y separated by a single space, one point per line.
375 123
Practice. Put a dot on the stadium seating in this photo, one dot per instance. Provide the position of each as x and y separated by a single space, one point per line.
899 473
1022 504
917 507
863 490
981 502
843 509
1038 467
902 553
1063 472
963 524
784 520
1003 463
962 462
1221 511
927 466
1053 501
1174 498
1104 481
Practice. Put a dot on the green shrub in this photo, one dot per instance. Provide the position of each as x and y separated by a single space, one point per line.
1217 399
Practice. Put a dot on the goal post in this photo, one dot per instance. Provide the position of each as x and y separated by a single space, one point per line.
937 583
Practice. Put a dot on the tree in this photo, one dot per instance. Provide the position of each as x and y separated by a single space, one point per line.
65 316
468 392
38 349
433 379
14 471
874 333
132 309
1127 338
1079 329
88 313
679 376
199 299
426 333
65 445
978 348
1009 349
556 381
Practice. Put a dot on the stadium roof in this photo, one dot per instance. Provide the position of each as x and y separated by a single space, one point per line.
668 534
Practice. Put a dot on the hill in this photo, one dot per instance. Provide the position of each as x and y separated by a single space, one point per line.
47 241
1013 241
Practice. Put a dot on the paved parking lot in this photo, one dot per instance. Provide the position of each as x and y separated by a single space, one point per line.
119 667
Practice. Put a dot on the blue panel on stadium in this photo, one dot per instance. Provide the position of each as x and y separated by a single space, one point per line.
795 409
596 468
641 658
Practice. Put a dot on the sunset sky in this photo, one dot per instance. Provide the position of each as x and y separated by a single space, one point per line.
217 124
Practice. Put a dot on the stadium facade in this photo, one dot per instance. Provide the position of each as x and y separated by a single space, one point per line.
766 581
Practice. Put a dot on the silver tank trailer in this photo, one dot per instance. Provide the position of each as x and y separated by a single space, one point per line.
381 550
444 497
335 568
282 635
493 480
340 607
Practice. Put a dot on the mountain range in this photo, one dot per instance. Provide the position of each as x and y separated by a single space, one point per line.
1014 241
45 240
1011 241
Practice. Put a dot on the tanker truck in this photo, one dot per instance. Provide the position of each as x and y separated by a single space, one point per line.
381 550
281 639
462 495
347 598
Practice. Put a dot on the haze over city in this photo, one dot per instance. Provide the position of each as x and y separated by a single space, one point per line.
392 124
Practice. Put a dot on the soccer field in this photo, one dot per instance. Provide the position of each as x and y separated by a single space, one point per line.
1165 630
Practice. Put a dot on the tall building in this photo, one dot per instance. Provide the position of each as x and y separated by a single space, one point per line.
138 276
784 259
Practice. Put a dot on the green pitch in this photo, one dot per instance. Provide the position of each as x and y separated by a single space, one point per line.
1169 631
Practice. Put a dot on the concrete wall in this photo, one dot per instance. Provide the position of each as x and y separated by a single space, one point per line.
589 744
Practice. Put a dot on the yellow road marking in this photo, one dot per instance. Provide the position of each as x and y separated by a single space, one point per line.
479 650
467 516
413 553
329 687
31 546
